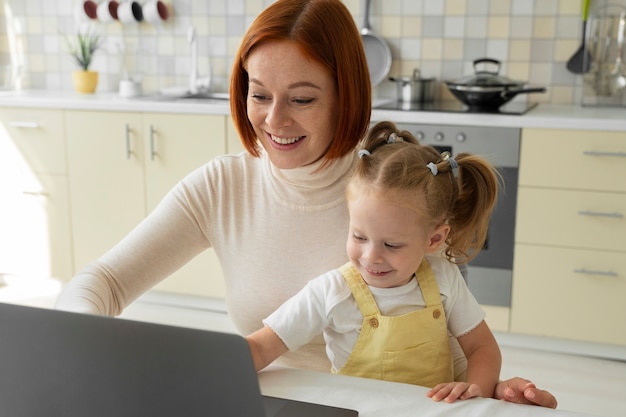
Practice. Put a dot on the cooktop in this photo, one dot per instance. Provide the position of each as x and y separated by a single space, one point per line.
512 108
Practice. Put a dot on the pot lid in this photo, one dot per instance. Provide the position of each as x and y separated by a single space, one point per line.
486 77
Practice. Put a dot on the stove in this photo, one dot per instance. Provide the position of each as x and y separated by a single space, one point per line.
511 108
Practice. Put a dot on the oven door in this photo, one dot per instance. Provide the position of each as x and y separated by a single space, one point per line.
490 274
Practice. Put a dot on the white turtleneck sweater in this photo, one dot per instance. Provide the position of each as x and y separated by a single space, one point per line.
273 231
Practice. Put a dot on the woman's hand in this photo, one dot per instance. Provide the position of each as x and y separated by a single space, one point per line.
451 391
523 391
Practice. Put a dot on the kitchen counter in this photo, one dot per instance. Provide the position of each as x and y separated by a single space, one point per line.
373 398
542 116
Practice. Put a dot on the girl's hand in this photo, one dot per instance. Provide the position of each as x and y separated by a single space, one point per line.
451 391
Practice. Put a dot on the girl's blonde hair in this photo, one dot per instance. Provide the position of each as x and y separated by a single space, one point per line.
460 191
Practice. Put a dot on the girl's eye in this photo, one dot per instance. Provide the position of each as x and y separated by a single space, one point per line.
392 246
358 238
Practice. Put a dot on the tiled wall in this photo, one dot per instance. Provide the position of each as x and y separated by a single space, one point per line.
532 38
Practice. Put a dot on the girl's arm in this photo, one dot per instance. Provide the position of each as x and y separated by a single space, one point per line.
266 347
483 358
483 368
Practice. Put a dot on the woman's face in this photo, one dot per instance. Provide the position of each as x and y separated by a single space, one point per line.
292 104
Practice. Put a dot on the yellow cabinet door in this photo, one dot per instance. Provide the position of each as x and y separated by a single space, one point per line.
35 238
569 293
175 145
105 167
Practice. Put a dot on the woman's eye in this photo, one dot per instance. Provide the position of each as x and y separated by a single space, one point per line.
303 100
259 97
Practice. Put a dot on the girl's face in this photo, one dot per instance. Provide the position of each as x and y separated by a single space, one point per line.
292 104
387 242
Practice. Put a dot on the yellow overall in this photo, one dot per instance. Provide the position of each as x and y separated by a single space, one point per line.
411 348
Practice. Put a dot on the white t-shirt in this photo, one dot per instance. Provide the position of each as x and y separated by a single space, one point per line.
326 305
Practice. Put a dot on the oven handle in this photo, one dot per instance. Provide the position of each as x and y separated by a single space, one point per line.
615 215
586 271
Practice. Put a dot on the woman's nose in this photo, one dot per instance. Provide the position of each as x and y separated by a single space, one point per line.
278 115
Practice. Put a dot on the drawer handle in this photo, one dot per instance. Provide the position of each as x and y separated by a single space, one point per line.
152 148
24 125
601 214
601 153
594 272
129 151
35 193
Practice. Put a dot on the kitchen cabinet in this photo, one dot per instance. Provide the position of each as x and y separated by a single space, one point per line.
121 164
233 142
35 239
569 275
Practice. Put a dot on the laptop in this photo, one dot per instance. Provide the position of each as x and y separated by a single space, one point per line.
56 363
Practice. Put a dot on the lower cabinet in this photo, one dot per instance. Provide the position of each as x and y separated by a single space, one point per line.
35 239
121 165
569 274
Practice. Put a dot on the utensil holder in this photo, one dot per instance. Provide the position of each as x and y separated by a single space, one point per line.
603 27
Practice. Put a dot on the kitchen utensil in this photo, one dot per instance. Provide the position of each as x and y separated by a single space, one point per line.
618 78
129 12
580 62
107 11
86 11
487 90
414 89
155 12
377 50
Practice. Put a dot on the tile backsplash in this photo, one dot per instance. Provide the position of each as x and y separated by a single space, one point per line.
532 38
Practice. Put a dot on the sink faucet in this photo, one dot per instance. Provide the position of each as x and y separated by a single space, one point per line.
196 84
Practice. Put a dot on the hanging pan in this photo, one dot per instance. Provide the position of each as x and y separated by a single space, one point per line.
377 50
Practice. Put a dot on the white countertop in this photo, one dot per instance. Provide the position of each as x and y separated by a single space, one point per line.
542 116
576 381
109 102
374 398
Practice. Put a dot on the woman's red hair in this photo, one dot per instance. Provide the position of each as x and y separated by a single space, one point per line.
326 33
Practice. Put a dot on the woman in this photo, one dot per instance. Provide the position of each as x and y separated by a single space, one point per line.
276 216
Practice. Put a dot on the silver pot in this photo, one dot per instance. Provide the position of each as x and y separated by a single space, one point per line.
415 89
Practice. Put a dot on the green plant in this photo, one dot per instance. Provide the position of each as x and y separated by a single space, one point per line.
83 46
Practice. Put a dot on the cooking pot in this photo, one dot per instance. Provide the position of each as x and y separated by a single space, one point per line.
415 89
486 90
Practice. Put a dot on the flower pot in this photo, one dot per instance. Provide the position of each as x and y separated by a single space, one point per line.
85 82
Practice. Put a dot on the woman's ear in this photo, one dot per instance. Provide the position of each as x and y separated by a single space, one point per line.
437 238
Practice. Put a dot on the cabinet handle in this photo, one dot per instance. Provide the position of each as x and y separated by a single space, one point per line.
152 151
586 271
129 151
35 193
601 153
615 215
25 125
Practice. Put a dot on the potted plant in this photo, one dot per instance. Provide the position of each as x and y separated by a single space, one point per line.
81 49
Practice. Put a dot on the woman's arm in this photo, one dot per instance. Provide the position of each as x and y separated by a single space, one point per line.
266 347
161 244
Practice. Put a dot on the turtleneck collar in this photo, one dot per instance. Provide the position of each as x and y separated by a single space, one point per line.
305 187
